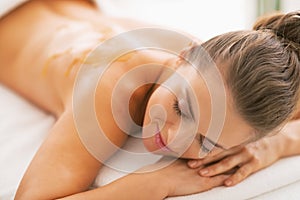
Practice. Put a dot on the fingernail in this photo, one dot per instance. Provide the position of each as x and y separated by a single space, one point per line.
193 163
204 172
228 182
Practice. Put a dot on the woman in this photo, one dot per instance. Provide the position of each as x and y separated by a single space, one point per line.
260 69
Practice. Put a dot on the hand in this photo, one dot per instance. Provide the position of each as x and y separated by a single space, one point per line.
240 162
179 179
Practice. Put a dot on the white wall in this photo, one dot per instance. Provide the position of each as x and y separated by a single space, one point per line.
202 18
290 5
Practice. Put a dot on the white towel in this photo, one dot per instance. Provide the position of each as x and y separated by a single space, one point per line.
8 5
23 127
279 175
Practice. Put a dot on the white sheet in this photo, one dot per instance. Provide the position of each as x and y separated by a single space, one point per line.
8 5
23 128
279 175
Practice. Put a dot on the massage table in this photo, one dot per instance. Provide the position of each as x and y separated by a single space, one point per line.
23 127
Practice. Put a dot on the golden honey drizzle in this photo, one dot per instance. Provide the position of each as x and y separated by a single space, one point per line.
76 61
81 59
49 61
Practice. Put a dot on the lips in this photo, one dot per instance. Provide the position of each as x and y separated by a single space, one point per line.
160 143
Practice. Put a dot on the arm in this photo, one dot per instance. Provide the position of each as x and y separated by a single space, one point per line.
173 180
133 186
62 168
254 156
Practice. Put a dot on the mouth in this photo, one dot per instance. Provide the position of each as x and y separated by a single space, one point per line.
159 141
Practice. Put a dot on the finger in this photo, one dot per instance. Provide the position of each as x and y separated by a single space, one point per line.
194 163
218 180
240 175
224 165
211 159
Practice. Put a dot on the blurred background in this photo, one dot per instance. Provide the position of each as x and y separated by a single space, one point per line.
201 18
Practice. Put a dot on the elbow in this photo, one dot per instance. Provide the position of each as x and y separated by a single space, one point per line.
32 194
26 196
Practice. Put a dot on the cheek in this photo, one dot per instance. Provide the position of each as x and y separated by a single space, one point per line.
160 106
157 112
192 152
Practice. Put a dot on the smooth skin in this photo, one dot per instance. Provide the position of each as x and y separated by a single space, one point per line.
42 67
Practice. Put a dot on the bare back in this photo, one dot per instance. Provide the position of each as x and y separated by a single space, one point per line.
42 45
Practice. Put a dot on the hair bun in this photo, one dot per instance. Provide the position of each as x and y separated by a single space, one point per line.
286 26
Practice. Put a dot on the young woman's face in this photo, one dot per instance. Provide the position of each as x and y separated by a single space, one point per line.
171 125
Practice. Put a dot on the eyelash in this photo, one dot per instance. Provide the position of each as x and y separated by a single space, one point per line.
202 146
176 107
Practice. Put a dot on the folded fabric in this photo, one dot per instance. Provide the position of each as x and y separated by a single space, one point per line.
282 173
23 128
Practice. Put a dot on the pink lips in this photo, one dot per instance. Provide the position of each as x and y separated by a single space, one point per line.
160 143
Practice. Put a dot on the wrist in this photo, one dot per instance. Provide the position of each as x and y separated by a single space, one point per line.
157 175
274 145
162 186
290 138
280 143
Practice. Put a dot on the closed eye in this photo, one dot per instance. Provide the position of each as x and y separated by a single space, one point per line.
203 146
176 107
180 108
208 144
